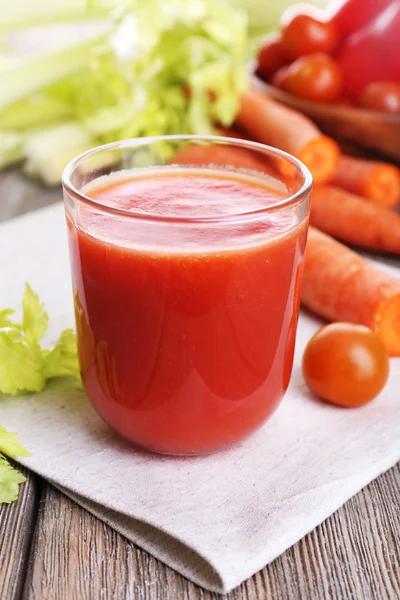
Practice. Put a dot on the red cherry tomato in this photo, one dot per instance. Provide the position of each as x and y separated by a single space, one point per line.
383 96
270 57
304 34
316 77
279 78
345 364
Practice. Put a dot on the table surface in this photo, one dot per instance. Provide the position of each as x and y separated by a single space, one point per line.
51 548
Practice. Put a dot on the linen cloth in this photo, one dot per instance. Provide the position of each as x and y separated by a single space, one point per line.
215 519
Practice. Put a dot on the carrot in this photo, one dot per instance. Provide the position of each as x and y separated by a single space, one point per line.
220 155
340 285
377 181
269 122
355 221
273 165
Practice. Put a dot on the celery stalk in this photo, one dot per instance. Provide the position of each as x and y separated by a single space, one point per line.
22 13
34 112
22 76
48 151
128 79
49 167
11 148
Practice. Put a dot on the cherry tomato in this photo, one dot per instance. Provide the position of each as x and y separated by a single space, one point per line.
383 96
270 57
279 78
315 77
304 34
345 364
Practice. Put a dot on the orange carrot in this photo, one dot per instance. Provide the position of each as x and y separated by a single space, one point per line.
340 285
376 181
355 221
221 155
273 165
269 122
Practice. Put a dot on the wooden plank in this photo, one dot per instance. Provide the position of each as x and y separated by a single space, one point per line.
354 554
17 523
19 195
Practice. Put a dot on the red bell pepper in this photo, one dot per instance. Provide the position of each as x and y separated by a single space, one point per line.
372 53
351 15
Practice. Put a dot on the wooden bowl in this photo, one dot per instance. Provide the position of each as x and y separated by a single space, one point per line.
373 130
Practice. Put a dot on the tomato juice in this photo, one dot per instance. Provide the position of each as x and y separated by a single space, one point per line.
186 296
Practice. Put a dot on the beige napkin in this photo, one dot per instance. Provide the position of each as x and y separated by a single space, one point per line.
215 519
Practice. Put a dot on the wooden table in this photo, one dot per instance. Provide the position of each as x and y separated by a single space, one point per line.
51 549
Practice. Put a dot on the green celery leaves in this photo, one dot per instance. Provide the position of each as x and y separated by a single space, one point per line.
26 367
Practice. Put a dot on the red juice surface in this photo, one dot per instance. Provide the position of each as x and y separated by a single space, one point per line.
186 330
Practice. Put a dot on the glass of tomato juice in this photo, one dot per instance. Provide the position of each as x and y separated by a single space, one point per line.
186 258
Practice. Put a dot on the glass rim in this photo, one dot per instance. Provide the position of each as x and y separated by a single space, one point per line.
291 200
